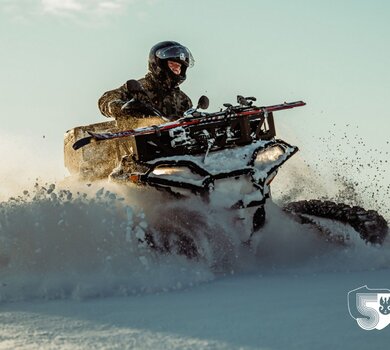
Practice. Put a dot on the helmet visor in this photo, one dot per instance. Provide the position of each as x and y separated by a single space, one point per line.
177 53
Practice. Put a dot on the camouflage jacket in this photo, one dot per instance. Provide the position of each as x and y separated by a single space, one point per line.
171 102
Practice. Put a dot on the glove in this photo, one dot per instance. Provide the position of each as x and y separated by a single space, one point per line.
140 103
137 92
134 87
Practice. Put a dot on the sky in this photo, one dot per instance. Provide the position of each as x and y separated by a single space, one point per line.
59 56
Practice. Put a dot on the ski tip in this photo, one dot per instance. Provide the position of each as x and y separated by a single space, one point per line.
82 142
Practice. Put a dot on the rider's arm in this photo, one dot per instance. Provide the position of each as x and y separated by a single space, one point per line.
110 104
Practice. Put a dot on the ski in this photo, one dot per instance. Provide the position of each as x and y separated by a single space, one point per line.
197 118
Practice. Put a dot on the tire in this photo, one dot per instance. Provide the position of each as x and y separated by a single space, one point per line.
370 225
188 232
176 233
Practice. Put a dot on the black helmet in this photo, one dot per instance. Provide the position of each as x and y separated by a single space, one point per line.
172 51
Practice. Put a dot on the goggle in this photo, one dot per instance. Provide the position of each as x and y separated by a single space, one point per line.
180 53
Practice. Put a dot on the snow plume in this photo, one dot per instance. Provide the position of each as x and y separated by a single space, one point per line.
343 166
24 161
80 240
361 171
61 238
91 242
60 244
284 246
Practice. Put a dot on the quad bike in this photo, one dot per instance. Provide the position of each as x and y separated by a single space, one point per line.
228 158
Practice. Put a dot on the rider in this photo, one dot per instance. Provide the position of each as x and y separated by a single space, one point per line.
158 93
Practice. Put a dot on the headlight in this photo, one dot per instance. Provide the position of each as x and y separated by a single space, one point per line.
268 156
176 172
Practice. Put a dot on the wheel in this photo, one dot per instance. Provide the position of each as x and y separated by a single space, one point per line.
176 233
370 225
189 232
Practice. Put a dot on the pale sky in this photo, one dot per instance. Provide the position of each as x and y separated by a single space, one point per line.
59 56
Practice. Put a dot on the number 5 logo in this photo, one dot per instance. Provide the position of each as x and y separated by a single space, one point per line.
370 307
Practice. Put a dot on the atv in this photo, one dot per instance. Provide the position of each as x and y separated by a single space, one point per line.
228 158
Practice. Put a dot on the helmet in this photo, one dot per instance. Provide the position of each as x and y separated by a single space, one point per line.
166 51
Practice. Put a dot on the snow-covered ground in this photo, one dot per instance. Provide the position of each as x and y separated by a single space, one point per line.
247 311
75 276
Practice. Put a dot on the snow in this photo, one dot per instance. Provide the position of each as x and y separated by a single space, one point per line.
254 311
86 280
227 191
75 274
231 159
